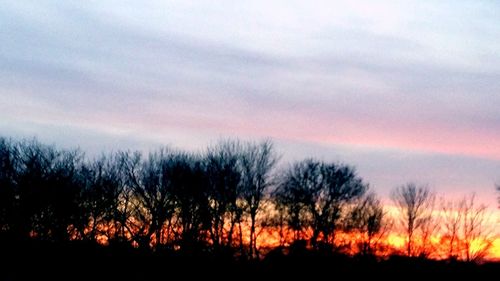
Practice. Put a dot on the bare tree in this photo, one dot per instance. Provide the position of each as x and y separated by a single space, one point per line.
192 217
154 203
275 219
46 190
223 179
258 160
289 199
412 202
451 222
367 218
430 226
475 240
321 191
99 198
8 189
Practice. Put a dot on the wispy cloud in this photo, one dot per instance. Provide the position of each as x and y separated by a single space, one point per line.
410 76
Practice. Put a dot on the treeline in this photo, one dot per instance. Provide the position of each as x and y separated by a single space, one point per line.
230 200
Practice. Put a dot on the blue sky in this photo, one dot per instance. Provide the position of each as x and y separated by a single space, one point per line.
403 90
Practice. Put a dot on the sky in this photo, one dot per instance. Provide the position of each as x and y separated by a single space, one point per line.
402 90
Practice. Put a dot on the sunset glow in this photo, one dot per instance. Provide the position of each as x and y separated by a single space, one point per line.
249 138
388 243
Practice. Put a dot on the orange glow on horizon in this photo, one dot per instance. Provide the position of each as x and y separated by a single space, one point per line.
269 237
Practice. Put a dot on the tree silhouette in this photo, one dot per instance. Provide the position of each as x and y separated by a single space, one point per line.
47 190
189 189
151 181
8 193
452 218
100 214
366 217
429 227
316 194
223 174
290 199
126 214
257 164
412 202
278 219
474 229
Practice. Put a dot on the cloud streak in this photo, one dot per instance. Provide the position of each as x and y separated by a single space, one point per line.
412 76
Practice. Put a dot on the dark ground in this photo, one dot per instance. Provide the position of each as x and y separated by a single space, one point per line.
87 261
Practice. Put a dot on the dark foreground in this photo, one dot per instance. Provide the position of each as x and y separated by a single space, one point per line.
88 261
